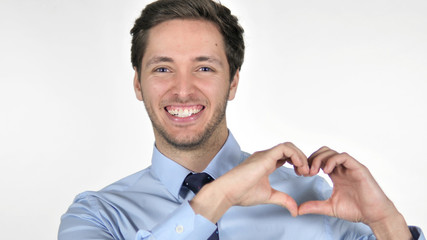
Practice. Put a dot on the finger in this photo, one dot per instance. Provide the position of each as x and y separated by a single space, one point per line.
319 159
316 153
284 200
281 162
343 159
316 207
295 157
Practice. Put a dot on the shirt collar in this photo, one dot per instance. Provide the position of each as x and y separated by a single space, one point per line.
172 175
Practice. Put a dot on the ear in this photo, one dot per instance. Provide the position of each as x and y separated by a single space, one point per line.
233 86
137 86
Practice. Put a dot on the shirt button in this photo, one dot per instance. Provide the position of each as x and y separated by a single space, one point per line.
179 229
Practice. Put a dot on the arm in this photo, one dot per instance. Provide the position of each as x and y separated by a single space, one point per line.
90 217
356 195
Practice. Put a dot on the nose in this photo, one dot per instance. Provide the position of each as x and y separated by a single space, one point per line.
183 85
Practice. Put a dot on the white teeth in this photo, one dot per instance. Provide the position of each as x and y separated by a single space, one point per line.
183 112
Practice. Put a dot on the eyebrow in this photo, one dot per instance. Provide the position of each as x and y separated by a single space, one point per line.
207 59
158 59
161 59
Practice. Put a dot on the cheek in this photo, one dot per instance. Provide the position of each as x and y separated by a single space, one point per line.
217 94
154 94
217 87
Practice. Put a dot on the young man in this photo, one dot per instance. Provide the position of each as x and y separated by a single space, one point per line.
187 56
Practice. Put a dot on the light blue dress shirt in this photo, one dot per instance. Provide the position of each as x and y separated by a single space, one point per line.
151 204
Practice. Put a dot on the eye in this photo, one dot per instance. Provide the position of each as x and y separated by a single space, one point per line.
205 69
161 70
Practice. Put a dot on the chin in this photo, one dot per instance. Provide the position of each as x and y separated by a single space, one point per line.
188 143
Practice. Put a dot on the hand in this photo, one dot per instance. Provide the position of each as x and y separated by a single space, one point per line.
248 183
356 195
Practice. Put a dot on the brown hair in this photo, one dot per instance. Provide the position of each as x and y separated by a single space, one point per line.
164 10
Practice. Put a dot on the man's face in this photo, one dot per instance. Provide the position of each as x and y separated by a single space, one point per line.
184 82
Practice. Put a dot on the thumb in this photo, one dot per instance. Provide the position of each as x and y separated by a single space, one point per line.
284 200
316 207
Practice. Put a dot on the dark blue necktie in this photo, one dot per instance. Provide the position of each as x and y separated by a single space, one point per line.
195 182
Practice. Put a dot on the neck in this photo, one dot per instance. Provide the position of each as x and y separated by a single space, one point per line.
195 159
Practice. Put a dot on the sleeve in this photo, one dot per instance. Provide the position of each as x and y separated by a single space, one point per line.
417 233
84 221
183 223
87 218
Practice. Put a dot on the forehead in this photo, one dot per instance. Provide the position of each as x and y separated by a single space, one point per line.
181 37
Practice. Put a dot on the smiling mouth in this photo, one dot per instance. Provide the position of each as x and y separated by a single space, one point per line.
184 111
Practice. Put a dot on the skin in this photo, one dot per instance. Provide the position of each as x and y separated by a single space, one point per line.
186 67
179 79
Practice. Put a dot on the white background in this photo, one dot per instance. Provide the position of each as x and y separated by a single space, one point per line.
348 74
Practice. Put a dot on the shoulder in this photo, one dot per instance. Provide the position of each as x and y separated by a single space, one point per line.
131 181
113 203
106 212
134 183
